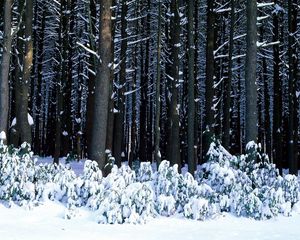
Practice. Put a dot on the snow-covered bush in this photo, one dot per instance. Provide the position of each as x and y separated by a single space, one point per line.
187 188
145 172
134 204
197 209
225 183
290 188
244 187
17 173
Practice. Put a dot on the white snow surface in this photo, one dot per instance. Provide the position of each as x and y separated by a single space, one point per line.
47 222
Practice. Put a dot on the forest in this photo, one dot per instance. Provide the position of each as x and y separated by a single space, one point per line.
149 80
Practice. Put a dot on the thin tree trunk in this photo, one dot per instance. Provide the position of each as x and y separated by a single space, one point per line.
191 89
277 106
293 103
209 80
157 155
250 73
227 92
174 145
119 116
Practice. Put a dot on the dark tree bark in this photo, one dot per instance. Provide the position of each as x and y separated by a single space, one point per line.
157 155
277 107
227 88
91 81
173 143
103 84
293 103
191 89
61 80
5 63
22 93
209 80
145 145
119 116
250 73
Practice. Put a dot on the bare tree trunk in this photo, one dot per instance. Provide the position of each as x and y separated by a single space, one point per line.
293 103
157 155
191 89
277 106
61 78
5 63
173 143
250 74
23 84
91 81
227 92
209 80
119 116
103 84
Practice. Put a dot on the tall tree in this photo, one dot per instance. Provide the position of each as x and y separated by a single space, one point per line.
119 116
277 107
22 86
191 89
5 63
157 154
103 84
173 138
292 87
209 79
228 81
250 72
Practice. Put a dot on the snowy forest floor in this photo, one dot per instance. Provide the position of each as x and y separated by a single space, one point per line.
47 221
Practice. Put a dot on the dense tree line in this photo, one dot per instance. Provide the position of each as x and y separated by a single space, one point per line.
151 80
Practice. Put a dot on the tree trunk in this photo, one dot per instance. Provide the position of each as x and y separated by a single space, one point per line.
293 103
91 80
119 116
227 92
277 106
23 84
157 155
250 73
5 63
103 84
173 143
61 81
191 89
209 80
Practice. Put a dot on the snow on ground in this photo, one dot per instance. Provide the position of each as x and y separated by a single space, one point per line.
47 222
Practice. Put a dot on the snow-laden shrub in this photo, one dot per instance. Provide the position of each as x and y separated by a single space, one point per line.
187 188
166 188
244 187
145 172
134 204
165 205
110 210
225 183
166 179
290 188
17 173
128 174
197 209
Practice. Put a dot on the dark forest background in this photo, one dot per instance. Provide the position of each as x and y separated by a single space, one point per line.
151 79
